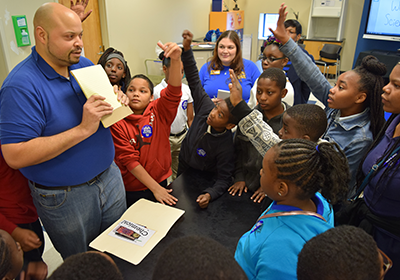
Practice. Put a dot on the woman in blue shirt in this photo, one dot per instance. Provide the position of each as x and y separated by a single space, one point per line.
214 75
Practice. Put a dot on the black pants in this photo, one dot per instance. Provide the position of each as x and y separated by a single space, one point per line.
34 255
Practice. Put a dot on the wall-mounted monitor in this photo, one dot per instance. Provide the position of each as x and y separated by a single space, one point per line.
383 22
266 21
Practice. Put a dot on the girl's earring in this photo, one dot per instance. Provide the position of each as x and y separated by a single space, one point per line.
279 194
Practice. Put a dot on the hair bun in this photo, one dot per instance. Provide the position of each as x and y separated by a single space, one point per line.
373 65
161 55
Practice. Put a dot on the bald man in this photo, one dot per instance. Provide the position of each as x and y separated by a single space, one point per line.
53 134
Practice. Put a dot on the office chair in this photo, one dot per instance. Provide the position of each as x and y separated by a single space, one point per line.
330 51
154 70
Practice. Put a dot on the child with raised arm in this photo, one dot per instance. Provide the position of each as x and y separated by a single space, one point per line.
141 140
293 172
184 115
208 146
302 121
353 106
271 88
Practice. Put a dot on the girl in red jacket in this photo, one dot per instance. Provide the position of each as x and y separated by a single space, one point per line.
141 140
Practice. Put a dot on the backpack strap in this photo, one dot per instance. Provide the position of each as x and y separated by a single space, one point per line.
292 213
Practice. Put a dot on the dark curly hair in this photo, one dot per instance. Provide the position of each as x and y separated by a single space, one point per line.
197 258
276 75
5 258
87 266
311 119
313 168
343 252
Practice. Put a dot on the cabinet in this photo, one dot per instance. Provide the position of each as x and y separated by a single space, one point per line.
233 20
314 46
327 19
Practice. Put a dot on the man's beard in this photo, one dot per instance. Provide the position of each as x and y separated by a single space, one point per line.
66 60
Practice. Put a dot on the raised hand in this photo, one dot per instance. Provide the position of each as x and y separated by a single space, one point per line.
235 89
280 31
187 39
171 50
79 8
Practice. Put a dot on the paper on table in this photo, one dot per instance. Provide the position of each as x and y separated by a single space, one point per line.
155 216
94 80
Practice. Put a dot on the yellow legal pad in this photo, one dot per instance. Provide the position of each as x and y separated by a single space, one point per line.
94 80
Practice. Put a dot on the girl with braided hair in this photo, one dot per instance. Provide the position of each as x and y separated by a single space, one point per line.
293 172
353 106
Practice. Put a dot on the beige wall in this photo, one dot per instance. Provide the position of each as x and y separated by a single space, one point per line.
253 8
353 19
10 54
135 26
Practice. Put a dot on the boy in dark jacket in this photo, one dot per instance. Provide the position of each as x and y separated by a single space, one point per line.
208 146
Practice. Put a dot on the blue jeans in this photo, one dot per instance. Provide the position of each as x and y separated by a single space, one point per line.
75 216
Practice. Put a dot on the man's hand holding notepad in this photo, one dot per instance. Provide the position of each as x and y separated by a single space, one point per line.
94 80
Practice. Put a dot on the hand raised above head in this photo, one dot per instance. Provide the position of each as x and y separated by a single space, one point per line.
235 89
79 8
187 39
171 50
280 31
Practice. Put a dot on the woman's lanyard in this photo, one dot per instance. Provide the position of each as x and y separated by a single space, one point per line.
374 168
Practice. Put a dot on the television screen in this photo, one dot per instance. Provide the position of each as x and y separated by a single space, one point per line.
383 22
266 21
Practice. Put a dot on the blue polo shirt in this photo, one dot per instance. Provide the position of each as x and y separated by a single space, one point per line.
214 80
35 101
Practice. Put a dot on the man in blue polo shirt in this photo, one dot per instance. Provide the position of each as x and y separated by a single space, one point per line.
53 134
